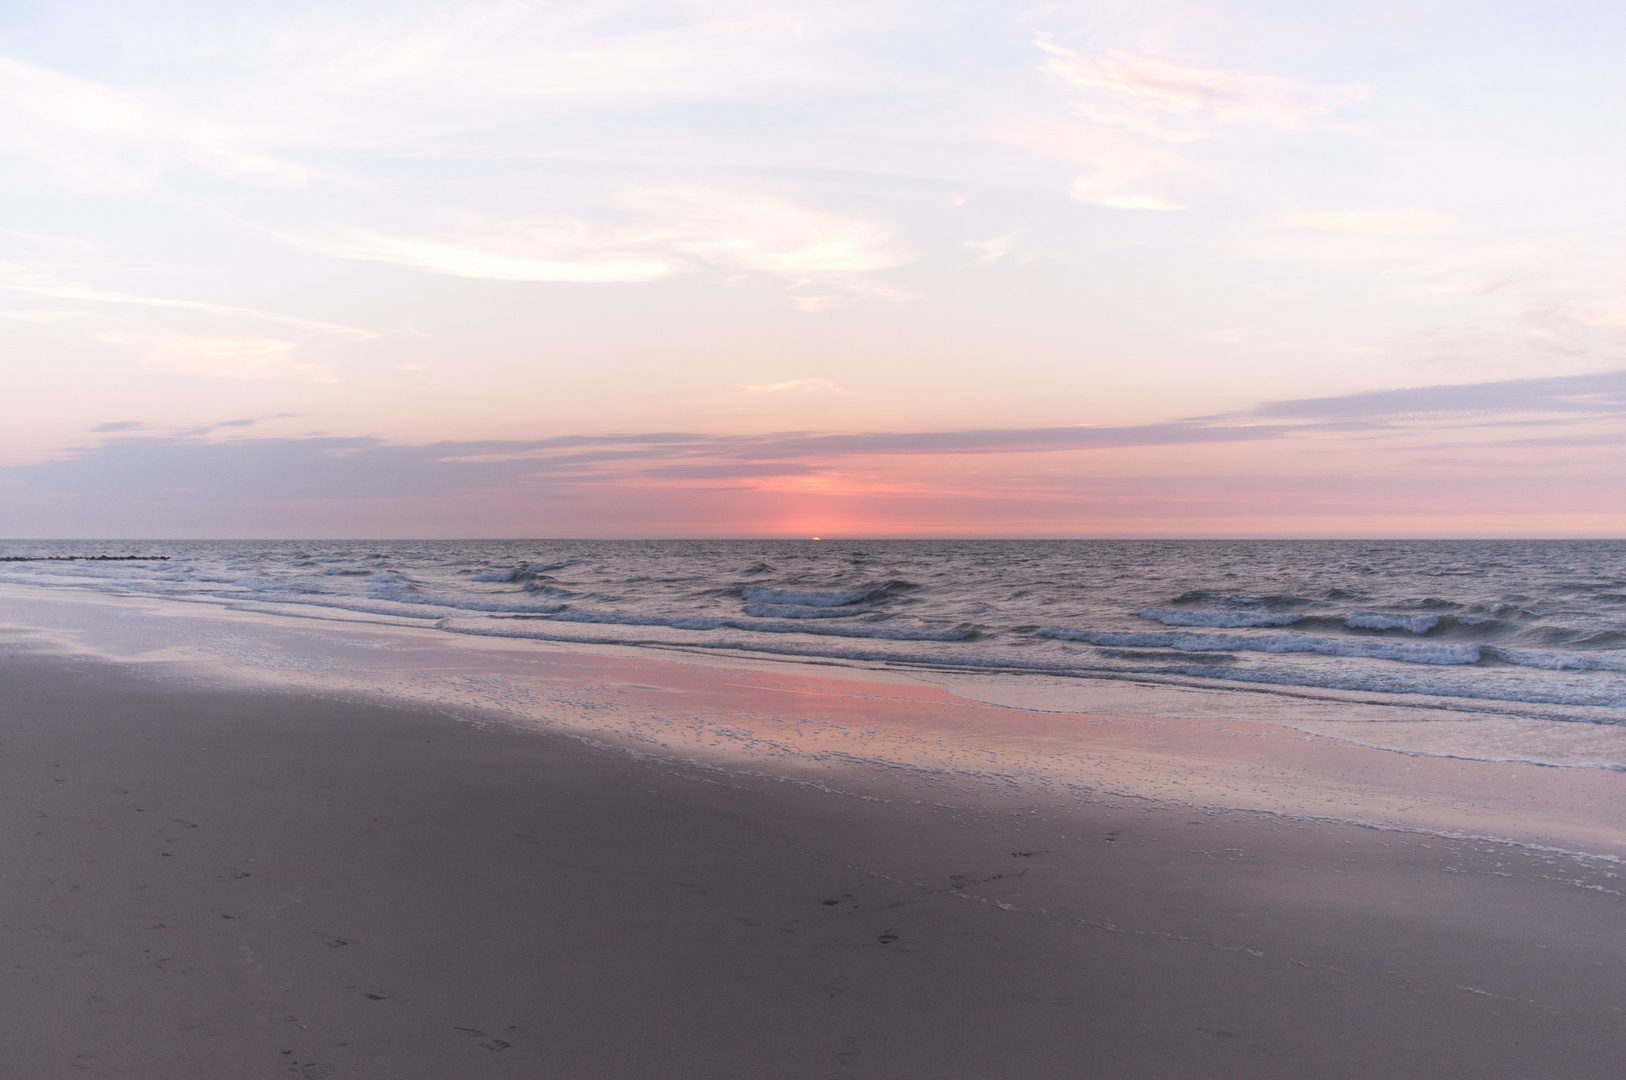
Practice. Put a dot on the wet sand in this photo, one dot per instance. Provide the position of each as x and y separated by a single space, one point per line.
247 883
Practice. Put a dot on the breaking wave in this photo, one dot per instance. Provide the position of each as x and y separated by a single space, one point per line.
1405 652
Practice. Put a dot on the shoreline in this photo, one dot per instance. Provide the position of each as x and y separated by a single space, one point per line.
205 878
797 720
1562 731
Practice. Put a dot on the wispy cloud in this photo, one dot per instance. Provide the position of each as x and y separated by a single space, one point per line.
647 233
1124 176
768 233
1610 317
518 251
37 283
1386 220
1601 395
992 249
307 101
44 317
233 357
1176 103
95 136
578 54
1136 108
802 386
1409 241
301 87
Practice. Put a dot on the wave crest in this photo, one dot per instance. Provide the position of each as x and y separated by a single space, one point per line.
1224 619
1417 624
1405 652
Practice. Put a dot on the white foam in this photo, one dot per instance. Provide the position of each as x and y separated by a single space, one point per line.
1406 652
791 611
1554 660
889 630
263 585
1226 619
1417 624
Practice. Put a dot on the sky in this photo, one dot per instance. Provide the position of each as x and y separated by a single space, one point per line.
888 268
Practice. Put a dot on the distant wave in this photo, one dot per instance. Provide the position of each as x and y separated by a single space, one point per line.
1355 620
825 598
1242 600
1275 643
411 594
792 611
888 630
1554 660
807 597
268 585
1417 624
518 574
1170 617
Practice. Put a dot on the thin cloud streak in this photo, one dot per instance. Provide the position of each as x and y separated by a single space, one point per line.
515 255
233 357
1177 103
651 233
1603 394
21 279
96 137
1136 108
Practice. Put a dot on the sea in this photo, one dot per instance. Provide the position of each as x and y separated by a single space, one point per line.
1527 630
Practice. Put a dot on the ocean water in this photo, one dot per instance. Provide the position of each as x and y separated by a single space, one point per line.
1524 629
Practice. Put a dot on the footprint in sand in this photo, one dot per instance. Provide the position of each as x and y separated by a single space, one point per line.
490 1041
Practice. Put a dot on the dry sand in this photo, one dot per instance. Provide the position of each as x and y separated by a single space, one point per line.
238 883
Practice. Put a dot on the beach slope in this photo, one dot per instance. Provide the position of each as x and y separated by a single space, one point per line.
238 883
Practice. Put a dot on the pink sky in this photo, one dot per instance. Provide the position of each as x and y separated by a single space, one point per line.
452 267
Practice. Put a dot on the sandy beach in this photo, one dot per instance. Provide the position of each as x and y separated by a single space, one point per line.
727 871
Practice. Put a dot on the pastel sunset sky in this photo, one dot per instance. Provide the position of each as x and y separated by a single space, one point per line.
887 268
